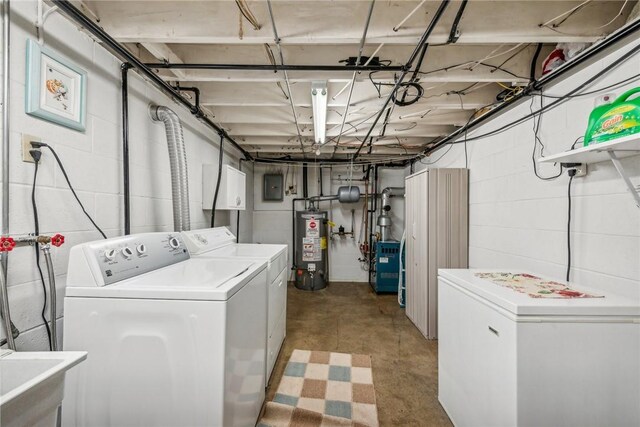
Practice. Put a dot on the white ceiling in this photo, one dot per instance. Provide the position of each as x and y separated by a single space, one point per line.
253 108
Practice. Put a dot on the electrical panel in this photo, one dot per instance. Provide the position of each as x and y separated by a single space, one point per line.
273 190
232 194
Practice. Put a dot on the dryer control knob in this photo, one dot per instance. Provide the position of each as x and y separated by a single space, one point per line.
127 252
142 249
110 254
174 243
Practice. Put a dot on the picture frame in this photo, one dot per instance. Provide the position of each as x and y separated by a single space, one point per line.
56 88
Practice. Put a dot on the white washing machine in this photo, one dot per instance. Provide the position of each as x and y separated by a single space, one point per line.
172 341
220 243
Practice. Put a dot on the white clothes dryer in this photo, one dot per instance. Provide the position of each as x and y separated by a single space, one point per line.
220 243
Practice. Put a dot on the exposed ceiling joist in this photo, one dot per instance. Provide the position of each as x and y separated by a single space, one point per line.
163 53
214 22
289 130
493 50
275 115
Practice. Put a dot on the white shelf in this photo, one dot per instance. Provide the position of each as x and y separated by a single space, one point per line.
598 152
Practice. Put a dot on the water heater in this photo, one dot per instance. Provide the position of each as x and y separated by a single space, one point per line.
311 253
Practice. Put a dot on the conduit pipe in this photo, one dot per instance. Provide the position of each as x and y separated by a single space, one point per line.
276 40
124 73
420 47
274 68
355 74
178 164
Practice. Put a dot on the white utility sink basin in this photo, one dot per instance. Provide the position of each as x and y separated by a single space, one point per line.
32 386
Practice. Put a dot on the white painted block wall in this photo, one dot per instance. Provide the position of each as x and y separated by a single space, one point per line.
519 222
272 221
93 162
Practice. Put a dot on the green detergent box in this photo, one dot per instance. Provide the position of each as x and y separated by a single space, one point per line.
615 120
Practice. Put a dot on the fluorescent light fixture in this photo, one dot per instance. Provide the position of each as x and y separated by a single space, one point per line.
319 103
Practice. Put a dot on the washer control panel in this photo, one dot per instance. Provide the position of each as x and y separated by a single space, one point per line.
120 258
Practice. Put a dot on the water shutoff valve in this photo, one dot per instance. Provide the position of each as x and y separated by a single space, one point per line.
7 244
57 240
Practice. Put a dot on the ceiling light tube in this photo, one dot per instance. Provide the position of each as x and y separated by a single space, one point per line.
319 103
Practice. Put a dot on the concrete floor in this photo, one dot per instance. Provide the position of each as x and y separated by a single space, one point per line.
351 318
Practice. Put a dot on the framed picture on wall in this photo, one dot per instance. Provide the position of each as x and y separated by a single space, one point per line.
56 88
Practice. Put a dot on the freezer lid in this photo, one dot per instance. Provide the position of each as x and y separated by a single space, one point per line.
195 279
524 305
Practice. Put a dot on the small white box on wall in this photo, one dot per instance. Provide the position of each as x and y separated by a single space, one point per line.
233 188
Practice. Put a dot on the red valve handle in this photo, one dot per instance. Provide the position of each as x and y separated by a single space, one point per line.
57 240
7 244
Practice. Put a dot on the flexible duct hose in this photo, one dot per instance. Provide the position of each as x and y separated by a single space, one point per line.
178 163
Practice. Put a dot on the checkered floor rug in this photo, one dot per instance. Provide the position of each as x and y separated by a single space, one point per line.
320 388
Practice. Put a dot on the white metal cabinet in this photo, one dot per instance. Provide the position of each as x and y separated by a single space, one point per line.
506 359
437 237
232 194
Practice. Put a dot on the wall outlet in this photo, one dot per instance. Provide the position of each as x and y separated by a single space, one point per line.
26 147
580 168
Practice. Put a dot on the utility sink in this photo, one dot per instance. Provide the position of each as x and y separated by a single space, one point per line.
32 386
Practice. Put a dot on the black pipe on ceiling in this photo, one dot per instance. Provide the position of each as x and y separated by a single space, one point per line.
279 161
305 181
273 68
196 92
454 34
123 53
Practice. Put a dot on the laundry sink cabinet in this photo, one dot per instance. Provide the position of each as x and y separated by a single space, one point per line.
32 386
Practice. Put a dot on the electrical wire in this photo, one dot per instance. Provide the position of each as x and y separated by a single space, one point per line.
569 227
555 27
248 15
536 141
565 97
215 195
66 177
36 225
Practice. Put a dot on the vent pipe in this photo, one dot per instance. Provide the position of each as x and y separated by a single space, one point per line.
384 220
178 163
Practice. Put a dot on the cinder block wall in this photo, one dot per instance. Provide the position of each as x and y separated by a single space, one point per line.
519 222
93 162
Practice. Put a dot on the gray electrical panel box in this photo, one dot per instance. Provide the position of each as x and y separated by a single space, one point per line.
273 187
